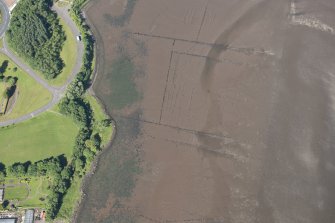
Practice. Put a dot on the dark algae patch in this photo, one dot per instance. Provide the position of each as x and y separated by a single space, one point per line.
121 20
114 180
121 82
123 169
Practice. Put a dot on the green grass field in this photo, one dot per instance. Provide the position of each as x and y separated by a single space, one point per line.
3 100
68 54
28 195
50 134
2 89
31 96
38 192
16 193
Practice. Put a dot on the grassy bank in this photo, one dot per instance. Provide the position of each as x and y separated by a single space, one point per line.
72 197
98 116
49 134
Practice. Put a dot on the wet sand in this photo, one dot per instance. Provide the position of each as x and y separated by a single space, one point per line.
230 116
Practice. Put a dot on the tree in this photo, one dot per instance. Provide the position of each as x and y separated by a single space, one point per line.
79 165
89 154
17 170
32 170
36 35
66 173
11 81
5 204
2 176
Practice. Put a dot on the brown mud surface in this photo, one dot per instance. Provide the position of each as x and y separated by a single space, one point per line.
226 111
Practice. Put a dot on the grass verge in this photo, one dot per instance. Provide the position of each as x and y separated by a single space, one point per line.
38 191
16 193
50 134
68 55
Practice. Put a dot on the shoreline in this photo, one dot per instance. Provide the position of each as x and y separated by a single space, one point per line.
87 177
90 174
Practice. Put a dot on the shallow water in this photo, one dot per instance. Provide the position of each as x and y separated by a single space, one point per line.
229 122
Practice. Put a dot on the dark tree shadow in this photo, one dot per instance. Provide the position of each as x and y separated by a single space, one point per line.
11 91
3 66
62 160
2 167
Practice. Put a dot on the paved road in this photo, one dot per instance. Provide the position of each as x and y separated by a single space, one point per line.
57 92
5 17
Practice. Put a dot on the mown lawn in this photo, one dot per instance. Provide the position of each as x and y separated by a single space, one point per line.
31 95
3 99
18 190
38 192
50 134
2 89
68 54
16 193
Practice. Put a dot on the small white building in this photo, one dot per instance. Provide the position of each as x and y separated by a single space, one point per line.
2 193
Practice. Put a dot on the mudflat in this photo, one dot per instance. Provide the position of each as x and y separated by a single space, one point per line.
224 111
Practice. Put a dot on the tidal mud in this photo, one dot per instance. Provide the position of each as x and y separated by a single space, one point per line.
224 111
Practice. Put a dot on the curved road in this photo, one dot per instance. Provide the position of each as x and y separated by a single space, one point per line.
5 17
57 92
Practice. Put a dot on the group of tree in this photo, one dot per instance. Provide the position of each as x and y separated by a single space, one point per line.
86 144
58 171
8 80
73 105
46 167
36 35
10 85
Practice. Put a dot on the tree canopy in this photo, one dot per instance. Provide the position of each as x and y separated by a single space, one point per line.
36 35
